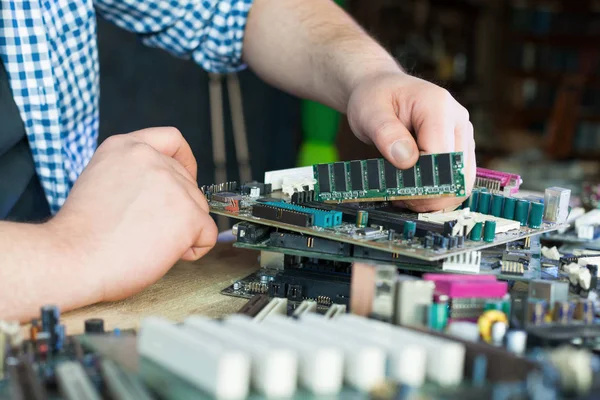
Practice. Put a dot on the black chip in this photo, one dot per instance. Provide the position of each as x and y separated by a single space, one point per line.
324 178
426 168
444 169
408 178
339 176
356 175
373 174
458 158
391 175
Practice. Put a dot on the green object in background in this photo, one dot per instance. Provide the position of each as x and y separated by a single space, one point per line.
320 125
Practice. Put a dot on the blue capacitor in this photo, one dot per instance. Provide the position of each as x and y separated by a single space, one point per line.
409 229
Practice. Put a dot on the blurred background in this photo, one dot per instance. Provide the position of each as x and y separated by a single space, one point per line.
528 72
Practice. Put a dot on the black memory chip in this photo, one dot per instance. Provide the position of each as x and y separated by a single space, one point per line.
444 169
408 178
356 175
324 178
391 175
426 168
373 174
339 176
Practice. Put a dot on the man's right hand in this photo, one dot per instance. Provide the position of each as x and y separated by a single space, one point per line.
135 210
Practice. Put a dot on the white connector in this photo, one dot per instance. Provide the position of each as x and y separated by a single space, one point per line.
221 372
274 368
276 178
464 262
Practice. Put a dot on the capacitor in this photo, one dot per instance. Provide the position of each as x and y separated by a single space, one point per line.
50 321
94 325
498 333
472 201
453 242
508 210
562 312
479 370
584 311
484 203
428 242
486 323
516 342
33 330
460 241
522 211
489 231
409 229
535 215
438 312
536 311
362 219
476 232
391 234
497 203
444 242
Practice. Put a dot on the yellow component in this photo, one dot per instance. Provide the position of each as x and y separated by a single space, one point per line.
487 320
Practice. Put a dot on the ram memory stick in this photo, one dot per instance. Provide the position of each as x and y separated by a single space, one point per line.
434 175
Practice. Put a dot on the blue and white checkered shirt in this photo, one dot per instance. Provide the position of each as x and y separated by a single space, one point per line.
49 50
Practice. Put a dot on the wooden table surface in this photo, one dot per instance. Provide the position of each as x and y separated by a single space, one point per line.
188 288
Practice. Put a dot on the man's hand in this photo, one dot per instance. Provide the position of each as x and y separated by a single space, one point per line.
313 49
403 116
134 211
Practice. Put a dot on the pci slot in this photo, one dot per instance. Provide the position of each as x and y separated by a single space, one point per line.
322 218
283 215
217 370
321 365
364 363
274 368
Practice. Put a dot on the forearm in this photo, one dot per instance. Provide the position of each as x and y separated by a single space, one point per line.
39 268
311 48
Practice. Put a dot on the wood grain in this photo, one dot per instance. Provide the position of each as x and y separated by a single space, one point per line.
188 288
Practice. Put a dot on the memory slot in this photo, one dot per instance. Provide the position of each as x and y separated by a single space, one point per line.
74 383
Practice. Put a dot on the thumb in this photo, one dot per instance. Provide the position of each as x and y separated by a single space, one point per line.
393 141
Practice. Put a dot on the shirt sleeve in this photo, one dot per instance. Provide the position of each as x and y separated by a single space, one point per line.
211 32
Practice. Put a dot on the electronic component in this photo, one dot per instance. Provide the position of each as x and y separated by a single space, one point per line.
550 291
94 325
445 358
497 182
536 214
364 363
484 203
465 262
410 228
466 219
512 268
51 325
274 369
121 385
321 366
282 215
321 218
204 362
497 203
493 325
24 382
476 232
489 231
556 202
465 286
413 298
300 242
246 232
362 218
508 210
74 383
434 175
225 197
522 211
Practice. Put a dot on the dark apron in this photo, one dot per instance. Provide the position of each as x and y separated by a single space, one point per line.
21 195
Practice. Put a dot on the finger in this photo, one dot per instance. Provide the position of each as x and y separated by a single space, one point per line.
170 142
435 131
206 240
390 136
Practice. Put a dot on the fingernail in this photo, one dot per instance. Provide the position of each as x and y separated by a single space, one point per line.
402 150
